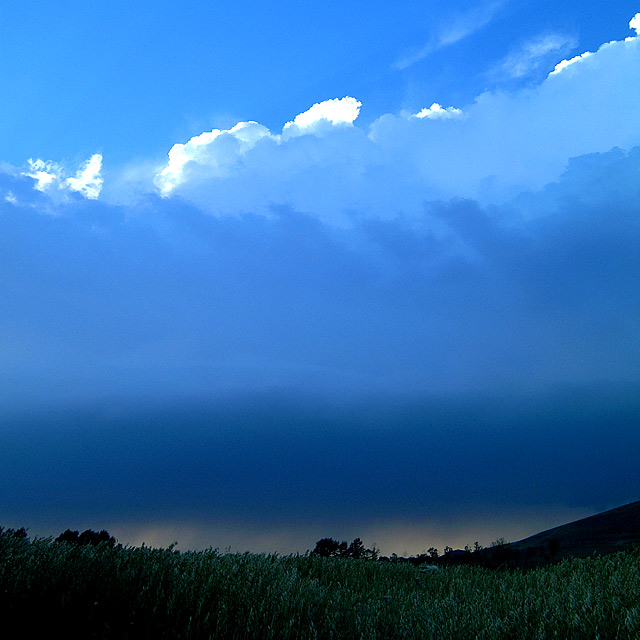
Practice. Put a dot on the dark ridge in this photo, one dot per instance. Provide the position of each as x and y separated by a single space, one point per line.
604 533
607 532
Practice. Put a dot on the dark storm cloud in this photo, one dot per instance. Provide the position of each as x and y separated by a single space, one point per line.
278 458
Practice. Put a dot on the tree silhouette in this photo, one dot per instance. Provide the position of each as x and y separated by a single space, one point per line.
330 548
87 537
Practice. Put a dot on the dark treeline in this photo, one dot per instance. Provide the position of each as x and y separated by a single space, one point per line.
502 556
499 555
87 537
330 548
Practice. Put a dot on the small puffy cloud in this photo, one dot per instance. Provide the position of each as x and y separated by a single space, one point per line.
437 112
18 189
338 111
45 173
634 23
88 180
51 176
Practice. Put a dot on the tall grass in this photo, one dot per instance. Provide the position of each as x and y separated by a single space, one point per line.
125 592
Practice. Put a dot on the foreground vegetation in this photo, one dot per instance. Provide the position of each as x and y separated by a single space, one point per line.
107 591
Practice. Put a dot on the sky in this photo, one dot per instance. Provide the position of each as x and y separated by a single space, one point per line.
274 274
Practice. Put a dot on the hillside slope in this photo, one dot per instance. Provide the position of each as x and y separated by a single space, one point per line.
606 532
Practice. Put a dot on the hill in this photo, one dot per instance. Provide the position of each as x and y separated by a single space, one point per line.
607 532
604 533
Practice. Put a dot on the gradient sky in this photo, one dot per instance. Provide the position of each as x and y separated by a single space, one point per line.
272 274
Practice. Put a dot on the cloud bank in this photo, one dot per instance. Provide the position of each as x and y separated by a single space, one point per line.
164 296
326 164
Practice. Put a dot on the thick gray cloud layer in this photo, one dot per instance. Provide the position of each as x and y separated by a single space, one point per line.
101 299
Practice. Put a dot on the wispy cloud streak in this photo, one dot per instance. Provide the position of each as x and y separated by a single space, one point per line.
461 26
533 54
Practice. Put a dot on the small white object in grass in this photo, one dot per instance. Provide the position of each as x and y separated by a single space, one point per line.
428 568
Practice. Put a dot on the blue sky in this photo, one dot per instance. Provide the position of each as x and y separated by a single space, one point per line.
129 80
271 274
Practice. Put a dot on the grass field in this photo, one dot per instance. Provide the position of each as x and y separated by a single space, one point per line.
130 592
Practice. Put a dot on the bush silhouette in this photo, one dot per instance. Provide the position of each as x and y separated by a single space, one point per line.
14 533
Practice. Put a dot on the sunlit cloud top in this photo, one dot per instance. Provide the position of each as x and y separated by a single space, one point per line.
217 150
220 151
563 64
634 25
436 111
326 163
337 111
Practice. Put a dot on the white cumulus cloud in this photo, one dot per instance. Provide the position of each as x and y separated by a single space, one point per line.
217 150
505 142
219 153
338 111
563 64
45 173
